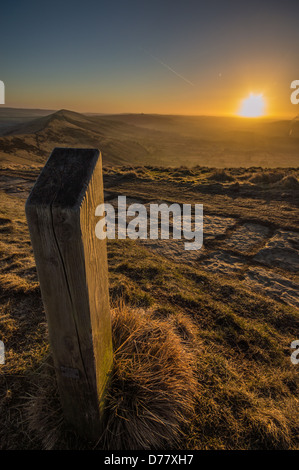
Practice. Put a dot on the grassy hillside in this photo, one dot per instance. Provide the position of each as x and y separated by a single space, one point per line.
151 139
202 341
11 117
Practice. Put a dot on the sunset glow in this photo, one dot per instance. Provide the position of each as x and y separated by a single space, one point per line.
151 57
253 106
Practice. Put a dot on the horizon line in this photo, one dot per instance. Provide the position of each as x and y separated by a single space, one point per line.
227 115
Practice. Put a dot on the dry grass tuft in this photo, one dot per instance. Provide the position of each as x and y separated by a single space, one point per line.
269 177
129 175
7 324
15 284
43 413
153 387
186 330
288 182
152 391
221 176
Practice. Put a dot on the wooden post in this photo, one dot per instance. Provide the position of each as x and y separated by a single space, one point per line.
73 273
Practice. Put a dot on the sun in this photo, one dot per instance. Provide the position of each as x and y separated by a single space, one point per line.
253 106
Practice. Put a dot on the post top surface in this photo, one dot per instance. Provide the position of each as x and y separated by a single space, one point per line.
65 177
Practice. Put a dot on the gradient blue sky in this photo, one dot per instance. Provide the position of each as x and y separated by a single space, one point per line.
181 57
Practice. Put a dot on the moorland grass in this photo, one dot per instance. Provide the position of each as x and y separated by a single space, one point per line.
201 361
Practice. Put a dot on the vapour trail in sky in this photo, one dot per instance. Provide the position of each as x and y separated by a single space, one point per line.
167 66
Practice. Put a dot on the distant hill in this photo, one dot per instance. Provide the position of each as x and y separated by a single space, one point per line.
10 117
28 137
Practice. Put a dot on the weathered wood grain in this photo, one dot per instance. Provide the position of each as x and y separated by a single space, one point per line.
73 273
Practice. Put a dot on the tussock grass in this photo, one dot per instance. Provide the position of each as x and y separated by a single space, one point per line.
269 177
7 323
153 388
221 176
288 182
16 284
42 410
129 175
